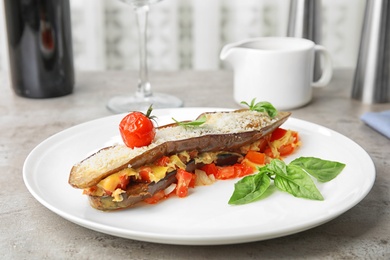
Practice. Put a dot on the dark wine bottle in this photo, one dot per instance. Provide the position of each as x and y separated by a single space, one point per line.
40 47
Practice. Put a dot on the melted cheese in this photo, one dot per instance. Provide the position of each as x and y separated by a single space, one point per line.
111 182
117 195
158 172
175 162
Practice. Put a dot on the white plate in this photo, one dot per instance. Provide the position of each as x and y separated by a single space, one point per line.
204 217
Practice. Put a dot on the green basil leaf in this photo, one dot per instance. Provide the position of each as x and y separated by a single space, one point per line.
266 107
249 189
298 183
276 166
293 178
262 107
322 170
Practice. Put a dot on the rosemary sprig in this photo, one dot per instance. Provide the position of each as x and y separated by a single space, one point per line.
199 121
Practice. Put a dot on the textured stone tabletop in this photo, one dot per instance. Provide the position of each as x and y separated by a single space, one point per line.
31 231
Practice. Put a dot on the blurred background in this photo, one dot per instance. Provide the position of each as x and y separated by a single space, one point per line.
189 34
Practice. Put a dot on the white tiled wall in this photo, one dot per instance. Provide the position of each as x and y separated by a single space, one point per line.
188 34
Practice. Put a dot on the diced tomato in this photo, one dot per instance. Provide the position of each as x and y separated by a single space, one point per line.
124 181
243 170
109 193
226 172
233 171
296 137
144 173
193 181
160 195
255 157
268 152
183 182
163 161
210 169
277 134
286 149
263 143
90 191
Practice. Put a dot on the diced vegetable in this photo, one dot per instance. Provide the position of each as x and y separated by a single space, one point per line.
255 157
282 143
202 178
183 182
277 134
234 171
163 161
160 195
210 169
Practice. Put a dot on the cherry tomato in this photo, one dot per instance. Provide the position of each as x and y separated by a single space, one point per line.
137 129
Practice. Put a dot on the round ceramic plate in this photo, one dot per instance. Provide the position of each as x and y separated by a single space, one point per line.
204 217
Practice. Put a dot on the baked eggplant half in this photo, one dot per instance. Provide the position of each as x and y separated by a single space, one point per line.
118 177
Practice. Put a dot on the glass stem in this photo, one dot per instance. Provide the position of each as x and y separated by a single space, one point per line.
144 88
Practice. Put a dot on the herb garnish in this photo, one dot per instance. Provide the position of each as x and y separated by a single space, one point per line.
199 121
263 106
292 178
149 113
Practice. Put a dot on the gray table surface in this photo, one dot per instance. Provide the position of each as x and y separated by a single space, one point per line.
30 231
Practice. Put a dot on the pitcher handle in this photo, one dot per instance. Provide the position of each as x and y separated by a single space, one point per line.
327 70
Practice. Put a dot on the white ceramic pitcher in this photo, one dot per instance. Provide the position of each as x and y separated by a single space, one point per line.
276 69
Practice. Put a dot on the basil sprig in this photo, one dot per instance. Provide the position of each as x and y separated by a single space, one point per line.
199 121
262 107
293 178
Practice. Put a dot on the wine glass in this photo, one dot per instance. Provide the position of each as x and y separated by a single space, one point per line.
143 98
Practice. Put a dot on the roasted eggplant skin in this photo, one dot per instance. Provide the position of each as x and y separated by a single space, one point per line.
137 192
230 142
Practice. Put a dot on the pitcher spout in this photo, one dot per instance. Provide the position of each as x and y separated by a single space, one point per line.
228 52
233 53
